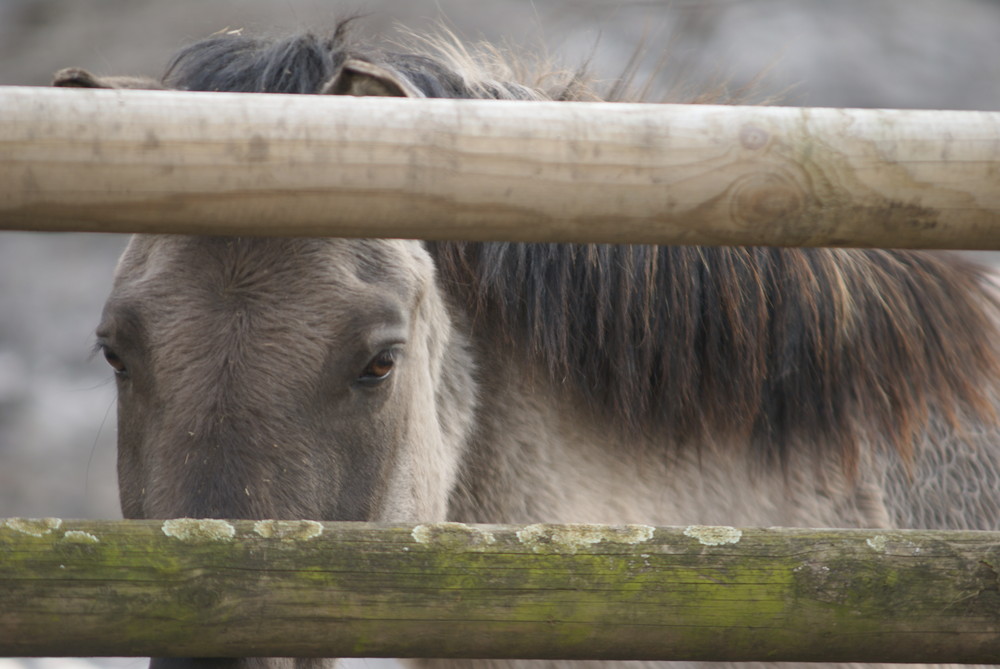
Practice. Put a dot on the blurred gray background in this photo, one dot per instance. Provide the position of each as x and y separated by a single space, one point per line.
57 423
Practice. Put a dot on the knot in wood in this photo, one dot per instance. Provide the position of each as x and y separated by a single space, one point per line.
762 199
754 137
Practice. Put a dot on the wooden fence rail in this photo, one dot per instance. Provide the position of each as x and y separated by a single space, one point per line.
153 161
302 588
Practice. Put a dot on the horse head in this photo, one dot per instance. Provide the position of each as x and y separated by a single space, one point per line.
284 378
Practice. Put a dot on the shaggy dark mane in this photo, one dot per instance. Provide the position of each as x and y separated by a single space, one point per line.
787 347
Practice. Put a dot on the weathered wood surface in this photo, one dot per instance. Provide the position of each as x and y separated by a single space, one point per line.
205 588
154 161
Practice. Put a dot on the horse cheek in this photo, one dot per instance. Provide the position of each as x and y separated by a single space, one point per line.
426 461
132 466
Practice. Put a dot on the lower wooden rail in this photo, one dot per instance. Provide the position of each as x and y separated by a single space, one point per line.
302 588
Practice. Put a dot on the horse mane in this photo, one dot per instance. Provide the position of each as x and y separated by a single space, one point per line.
786 348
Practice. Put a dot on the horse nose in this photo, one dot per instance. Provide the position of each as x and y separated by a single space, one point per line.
194 663
232 663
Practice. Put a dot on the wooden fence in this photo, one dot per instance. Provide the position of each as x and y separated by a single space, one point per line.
154 161
302 588
133 161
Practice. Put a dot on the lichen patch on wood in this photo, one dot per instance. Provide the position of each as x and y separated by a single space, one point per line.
546 538
80 537
36 527
198 529
288 530
455 535
877 543
713 535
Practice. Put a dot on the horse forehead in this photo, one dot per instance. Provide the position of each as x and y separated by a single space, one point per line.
194 297
293 268
218 309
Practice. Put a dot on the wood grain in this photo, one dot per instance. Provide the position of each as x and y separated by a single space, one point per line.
222 163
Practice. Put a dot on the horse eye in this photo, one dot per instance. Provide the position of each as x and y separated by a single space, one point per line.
116 363
380 367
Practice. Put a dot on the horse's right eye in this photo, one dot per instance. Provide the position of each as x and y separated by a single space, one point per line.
116 362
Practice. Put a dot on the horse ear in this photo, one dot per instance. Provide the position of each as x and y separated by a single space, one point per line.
76 77
360 78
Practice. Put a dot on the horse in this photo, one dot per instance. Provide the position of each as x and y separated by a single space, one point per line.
408 381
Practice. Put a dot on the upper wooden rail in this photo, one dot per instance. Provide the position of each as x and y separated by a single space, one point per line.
223 163
201 588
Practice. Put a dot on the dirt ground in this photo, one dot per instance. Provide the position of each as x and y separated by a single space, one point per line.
57 423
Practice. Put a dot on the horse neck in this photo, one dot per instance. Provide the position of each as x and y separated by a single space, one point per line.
537 456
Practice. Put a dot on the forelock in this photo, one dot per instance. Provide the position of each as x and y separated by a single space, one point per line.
440 66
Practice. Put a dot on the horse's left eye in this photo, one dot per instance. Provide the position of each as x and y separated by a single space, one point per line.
379 368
